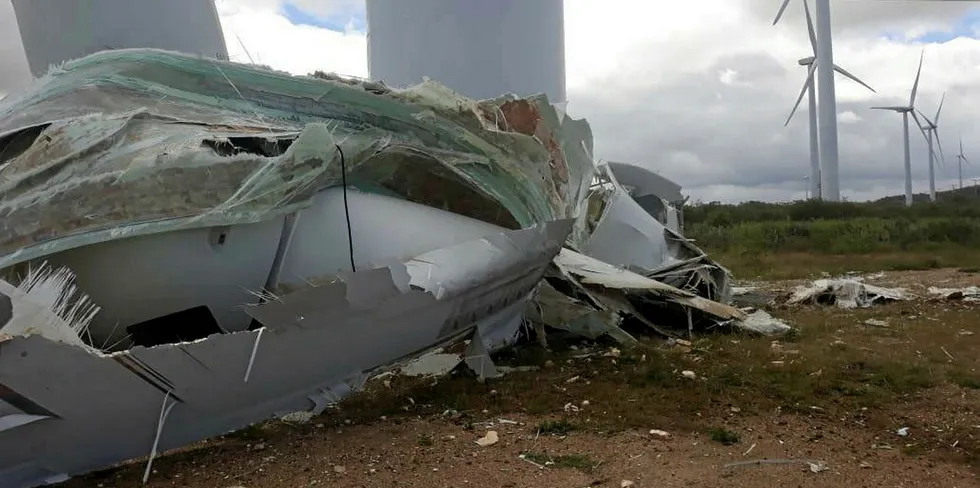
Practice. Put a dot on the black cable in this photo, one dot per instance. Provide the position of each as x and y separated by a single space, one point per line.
343 179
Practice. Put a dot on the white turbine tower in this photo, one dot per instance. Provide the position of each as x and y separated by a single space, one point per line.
931 131
811 63
905 111
960 158
827 103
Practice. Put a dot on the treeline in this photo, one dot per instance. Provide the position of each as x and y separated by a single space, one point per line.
836 228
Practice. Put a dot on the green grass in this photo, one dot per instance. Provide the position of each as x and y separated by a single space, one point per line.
556 427
723 436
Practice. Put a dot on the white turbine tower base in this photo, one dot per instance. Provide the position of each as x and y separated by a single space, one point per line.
905 111
808 88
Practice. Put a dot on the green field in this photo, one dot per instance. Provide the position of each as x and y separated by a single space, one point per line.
780 240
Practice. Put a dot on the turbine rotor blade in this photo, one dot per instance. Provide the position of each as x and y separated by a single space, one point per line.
779 14
808 84
893 109
940 110
939 144
919 125
915 86
809 27
852 77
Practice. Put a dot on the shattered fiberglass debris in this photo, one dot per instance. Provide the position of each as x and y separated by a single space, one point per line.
193 257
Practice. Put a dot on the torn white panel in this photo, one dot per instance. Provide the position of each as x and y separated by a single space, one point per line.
384 229
967 294
844 293
627 235
761 322
140 278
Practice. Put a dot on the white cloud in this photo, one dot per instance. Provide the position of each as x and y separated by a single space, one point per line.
699 90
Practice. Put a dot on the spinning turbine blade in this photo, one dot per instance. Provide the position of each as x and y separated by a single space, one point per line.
807 85
915 86
940 110
779 14
852 77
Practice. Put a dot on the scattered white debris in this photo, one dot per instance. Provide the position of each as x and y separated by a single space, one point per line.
571 408
746 453
817 466
759 321
626 484
903 432
876 323
297 417
689 375
339 469
864 465
844 293
659 433
613 353
489 439
435 363
967 294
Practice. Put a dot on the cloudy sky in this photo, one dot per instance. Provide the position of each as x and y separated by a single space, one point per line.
697 90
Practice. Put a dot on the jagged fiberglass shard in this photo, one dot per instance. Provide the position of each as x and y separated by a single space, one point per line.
627 235
199 205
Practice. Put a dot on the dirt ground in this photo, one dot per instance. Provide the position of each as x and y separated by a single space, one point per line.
824 408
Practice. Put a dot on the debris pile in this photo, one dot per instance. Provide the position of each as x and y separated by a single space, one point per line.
227 243
844 293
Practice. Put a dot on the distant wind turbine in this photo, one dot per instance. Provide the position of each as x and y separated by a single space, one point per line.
932 129
808 88
827 132
905 111
960 158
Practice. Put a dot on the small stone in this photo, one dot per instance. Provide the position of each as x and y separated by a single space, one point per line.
585 403
659 433
689 375
626 484
339 469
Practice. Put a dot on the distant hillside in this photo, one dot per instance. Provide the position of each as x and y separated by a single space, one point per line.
965 194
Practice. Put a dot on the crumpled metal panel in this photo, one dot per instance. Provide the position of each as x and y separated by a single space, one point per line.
131 142
295 362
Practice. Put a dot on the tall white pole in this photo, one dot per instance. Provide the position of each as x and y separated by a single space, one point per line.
908 161
932 171
829 170
814 147
960 164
